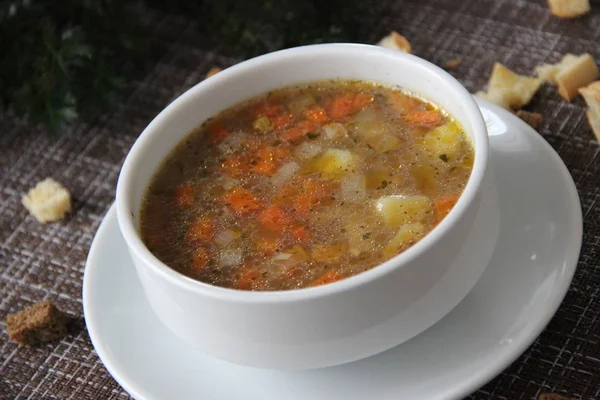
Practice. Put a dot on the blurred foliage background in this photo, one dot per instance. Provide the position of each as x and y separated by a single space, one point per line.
66 60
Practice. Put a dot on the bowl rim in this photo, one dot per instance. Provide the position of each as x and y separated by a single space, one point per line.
128 174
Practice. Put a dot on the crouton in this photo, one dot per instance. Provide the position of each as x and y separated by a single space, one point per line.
38 324
395 41
48 201
213 71
570 74
533 119
509 89
569 8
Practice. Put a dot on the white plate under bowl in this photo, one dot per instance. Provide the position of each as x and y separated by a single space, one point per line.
526 279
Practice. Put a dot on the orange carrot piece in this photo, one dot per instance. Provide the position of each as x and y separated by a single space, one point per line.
267 245
301 234
361 100
424 118
268 159
248 280
314 192
217 133
200 259
202 229
286 195
241 201
328 277
443 205
346 104
403 103
282 121
317 114
235 166
184 195
341 106
274 218
299 130
267 109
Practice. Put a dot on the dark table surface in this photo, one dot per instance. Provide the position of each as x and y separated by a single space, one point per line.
47 262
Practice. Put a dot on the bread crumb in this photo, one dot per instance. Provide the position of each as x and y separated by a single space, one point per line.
570 74
569 8
451 64
48 201
213 71
509 89
533 119
553 396
395 41
38 324
591 95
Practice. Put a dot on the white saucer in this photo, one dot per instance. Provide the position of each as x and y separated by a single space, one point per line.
527 277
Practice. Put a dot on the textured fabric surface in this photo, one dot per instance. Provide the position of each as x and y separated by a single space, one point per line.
47 262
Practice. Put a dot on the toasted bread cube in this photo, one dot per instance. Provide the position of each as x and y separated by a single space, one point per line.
501 97
533 119
395 41
400 210
594 121
48 201
591 95
570 74
517 90
569 8
37 324
213 71
453 63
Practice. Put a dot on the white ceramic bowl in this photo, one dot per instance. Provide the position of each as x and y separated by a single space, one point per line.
331 324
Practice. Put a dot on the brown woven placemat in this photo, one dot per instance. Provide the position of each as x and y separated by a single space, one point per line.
47 262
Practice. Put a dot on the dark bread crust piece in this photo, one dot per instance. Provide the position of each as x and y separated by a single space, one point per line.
38 324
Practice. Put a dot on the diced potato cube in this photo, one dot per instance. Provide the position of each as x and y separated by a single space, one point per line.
48 201
424 176
384 143
328 253
400 210
376 177
334 163
444 141
407 236
334 131
262 124
360 231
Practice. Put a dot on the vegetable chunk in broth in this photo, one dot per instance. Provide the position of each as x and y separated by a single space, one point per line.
305 185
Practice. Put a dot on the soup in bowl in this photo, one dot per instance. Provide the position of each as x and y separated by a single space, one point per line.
301 209
305 186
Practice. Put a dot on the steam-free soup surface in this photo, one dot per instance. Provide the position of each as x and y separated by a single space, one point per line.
305 186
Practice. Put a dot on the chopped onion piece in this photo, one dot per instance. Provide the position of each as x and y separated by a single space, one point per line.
354 189
230 257
285 173
292 256
282 257
226 237
335 130
232 142
308 150
227 182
